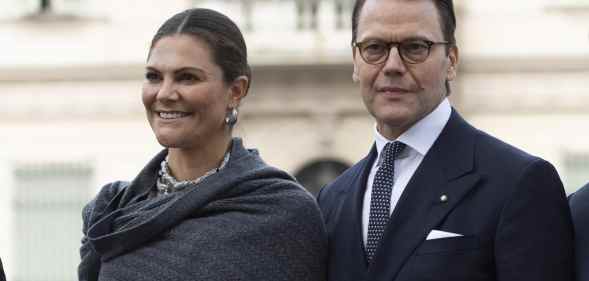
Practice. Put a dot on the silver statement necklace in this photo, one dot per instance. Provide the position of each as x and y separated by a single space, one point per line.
167 183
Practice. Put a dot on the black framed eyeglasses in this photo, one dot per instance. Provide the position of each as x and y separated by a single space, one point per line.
411 51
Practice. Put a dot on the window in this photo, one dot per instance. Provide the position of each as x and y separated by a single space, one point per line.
43 10
45 6
47 219
315 175
307 14
58 6
240 11
343 13
302 15
247 7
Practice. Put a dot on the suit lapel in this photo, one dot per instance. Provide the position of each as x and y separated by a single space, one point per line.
350 245
445 170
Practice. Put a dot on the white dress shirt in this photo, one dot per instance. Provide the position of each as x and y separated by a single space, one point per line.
419 139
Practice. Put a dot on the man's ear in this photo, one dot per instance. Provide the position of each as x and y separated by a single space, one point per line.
238 90
355 76
453 56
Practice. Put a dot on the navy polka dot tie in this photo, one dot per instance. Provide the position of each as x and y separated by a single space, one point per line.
380 202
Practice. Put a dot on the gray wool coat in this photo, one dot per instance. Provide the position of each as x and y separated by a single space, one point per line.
249 221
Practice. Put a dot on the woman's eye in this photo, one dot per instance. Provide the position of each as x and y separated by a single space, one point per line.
187 77
152 77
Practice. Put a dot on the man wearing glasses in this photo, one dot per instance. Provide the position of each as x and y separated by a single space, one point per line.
436 199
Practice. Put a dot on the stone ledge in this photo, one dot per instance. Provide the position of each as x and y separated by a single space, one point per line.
482 64
469 64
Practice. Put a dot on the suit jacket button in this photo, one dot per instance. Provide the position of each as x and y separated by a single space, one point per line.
444 198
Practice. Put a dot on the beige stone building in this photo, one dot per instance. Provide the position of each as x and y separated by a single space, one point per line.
71 117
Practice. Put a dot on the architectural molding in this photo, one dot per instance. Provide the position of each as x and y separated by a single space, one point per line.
72 73
546 64
572 8
83 73
469 64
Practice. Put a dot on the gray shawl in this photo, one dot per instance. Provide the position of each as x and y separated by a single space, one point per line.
249 221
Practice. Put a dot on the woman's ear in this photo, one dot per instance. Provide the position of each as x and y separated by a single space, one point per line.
238 90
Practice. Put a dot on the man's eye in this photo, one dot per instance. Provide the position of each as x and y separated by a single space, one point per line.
374 48
414 47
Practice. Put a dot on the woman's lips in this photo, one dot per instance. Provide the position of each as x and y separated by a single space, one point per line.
172 115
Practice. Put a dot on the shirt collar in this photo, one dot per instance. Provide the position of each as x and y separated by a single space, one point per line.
422 135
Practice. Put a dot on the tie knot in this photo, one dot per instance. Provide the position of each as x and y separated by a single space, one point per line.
392 150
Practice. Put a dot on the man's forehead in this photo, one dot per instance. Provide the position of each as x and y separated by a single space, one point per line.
399 18
398 8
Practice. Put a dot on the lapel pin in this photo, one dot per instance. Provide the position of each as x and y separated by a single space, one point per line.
444 198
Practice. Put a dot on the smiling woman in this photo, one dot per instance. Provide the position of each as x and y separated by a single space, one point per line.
187 100
204 208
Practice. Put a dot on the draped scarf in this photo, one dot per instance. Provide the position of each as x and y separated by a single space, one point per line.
249 221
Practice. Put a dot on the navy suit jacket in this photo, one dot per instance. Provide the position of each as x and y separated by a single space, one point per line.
2 277
579 202
510 207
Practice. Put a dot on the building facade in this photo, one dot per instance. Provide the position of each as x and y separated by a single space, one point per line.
71 116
